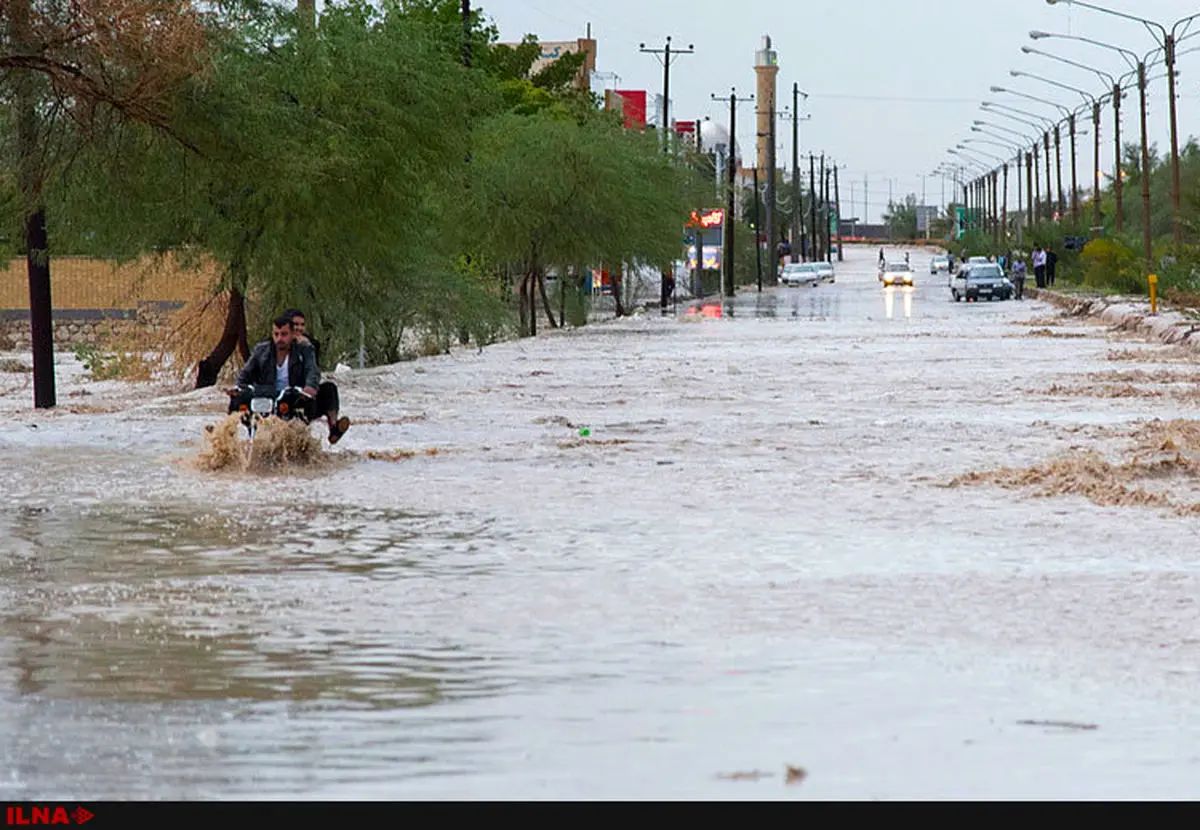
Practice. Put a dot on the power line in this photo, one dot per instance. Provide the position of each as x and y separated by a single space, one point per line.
840 96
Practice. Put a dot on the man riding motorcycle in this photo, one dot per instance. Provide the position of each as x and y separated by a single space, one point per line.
282 362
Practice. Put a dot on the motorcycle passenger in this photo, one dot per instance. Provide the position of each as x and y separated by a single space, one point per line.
300 329
284 361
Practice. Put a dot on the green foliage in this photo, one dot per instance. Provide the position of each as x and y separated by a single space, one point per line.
901 217
544 192
1108 264
103 365
362 172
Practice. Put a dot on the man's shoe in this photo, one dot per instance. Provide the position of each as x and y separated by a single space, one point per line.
339 429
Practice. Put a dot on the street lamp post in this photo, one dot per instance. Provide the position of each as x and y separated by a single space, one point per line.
1071 122
1115 86
1007 143
1057 141
1167 43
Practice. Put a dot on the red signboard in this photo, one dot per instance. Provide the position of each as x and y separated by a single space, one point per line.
682 127
708 219
633 106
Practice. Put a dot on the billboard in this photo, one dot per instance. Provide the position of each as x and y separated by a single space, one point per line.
926 215
632 103
712 257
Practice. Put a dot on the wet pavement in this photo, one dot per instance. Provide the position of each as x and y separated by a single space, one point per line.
749 562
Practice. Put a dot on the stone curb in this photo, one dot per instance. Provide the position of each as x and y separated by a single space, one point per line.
1128 314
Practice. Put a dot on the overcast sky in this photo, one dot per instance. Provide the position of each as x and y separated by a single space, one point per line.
892 83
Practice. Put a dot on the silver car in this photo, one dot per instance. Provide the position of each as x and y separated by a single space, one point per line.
799 273
825 271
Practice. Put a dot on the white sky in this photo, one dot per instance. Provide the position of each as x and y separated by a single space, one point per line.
892 83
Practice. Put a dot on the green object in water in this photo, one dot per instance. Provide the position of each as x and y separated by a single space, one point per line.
585 432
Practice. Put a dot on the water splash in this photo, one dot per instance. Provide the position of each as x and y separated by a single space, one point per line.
277 444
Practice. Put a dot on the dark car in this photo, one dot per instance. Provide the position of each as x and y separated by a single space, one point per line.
981 281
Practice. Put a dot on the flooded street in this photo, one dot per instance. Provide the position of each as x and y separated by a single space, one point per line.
751 561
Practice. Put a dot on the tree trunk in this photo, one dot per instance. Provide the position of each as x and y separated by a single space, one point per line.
234 336
37 254
532 294
523 306
618 280
541 282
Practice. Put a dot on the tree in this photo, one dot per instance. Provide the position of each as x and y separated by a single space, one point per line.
901 217
91 63
547 192
319 177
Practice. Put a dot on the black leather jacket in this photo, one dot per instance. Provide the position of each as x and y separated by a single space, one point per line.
260 368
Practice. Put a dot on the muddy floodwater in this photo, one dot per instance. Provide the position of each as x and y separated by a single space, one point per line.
697 556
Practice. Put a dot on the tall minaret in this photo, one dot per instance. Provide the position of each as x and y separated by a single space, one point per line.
766 67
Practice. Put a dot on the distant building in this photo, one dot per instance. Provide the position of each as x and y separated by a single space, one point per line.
553 50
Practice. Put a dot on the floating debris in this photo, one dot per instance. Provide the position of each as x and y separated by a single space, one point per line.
1062 724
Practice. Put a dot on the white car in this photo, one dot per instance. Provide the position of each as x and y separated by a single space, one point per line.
825 271
800 273
896 273
939 263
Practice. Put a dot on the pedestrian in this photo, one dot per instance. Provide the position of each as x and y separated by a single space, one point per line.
1039 266
1018 278
1051 261
881 259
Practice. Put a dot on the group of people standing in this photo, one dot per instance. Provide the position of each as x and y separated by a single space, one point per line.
1044 261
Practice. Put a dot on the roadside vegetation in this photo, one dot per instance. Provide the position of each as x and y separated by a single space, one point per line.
400 177
1112 262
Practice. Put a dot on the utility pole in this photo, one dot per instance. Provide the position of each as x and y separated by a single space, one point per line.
308 14
1169 53
770 195
1062 201
1036 187
698 275
828 234
1118 184
1004 209
1074 183
667 52
1096 166
731 169
665 288
757 232
797 220
837 200
466 25
812 208
824 232
1145 171
996 207
1049 186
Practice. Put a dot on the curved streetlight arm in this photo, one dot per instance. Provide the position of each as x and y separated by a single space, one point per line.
1059 107
1024 138
1006 143
1130 57
1087 96
980 167
980 153
1147 23
999 144
1104 76
1040 122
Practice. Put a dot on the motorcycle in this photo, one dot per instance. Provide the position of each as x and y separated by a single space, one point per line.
263 403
